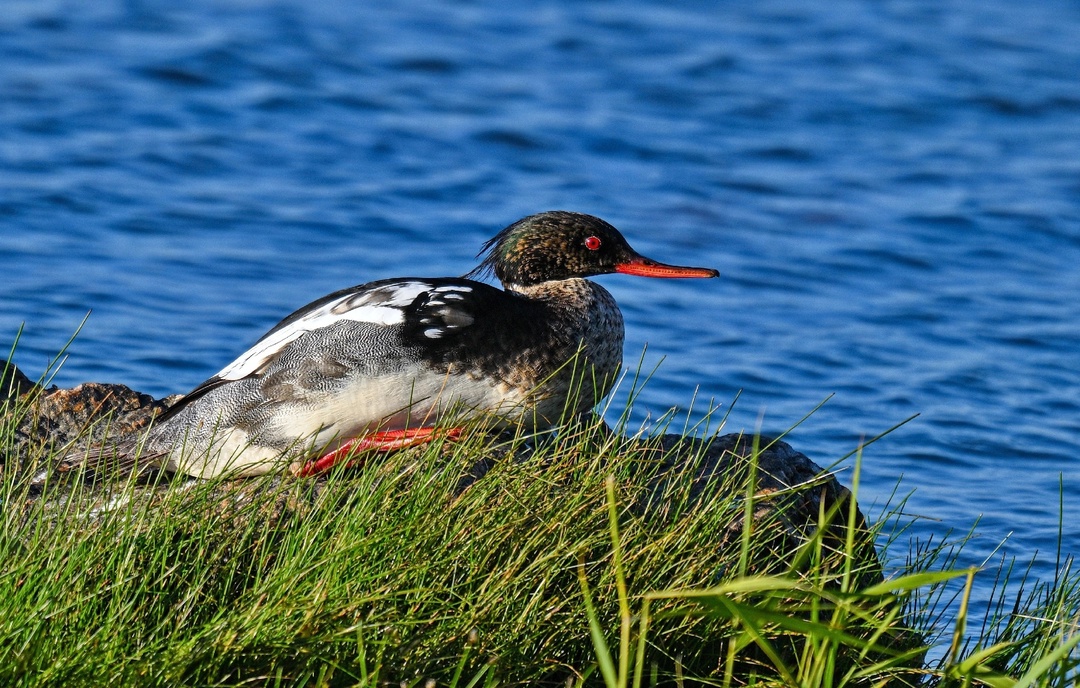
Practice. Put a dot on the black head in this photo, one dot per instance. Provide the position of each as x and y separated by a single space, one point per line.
560 245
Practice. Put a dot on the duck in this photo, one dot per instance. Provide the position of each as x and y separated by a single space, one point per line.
402 361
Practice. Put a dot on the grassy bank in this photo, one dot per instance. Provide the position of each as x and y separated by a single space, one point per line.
491 561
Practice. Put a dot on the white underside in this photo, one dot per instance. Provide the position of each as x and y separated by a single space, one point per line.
325 422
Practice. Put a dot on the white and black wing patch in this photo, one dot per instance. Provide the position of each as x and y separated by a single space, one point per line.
381 304
444 312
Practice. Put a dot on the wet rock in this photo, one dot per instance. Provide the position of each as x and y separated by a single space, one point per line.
13 383
673 475
46 419
791 492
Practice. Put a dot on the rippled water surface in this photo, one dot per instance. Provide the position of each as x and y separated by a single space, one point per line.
890 190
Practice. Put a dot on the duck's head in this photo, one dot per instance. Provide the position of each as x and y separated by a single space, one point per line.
560 245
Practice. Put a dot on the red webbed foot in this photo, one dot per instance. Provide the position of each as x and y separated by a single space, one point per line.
384 441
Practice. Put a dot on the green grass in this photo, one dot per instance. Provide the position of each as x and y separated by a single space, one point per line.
556 566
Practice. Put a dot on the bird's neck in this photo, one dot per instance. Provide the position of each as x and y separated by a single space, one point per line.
581 311
585 321
571 294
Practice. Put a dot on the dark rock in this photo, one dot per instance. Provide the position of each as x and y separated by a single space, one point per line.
674 475
13 383
791 491
97 408
48 419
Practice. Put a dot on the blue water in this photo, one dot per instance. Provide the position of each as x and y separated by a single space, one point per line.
891 191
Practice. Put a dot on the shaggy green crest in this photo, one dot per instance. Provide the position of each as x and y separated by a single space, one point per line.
551 246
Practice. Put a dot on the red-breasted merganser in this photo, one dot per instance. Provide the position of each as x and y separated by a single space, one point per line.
376 365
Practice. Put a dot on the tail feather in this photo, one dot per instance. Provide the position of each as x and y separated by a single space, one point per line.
110 459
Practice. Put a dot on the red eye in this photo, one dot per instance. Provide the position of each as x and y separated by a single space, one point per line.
592 243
